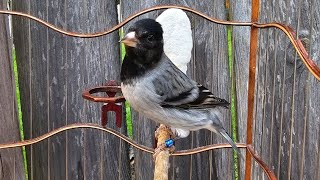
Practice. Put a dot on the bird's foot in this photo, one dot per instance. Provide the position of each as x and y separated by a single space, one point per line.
164 140
168 145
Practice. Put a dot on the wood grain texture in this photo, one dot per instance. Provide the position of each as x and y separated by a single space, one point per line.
310 156
241 11
55 70
11 160
285 92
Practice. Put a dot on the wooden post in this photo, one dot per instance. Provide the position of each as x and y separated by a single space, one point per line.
162 158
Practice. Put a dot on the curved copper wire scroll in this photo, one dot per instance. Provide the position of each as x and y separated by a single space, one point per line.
136 145
310 64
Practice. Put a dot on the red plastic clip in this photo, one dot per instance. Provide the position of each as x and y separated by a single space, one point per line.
111 106
111 102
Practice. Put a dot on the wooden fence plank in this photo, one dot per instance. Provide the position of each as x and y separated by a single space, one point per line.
310 156
39 88
22 52
272 70
11 160
286 94
57 89
241 11
299 110
59 70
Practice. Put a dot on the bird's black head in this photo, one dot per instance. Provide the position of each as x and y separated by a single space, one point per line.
144 41
144 48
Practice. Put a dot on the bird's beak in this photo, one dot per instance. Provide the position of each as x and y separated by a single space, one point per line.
130 39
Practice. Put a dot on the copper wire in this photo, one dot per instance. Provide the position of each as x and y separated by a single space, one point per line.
311 65
133 143
115 133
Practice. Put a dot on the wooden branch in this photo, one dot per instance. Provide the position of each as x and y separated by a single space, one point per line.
162 157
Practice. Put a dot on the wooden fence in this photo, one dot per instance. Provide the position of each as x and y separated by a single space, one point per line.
54 70
287 100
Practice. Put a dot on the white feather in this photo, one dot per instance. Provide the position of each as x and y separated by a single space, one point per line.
180 133
177 37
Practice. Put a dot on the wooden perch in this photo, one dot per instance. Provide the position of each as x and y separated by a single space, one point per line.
162 153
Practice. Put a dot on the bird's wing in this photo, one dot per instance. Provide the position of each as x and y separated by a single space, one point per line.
205 99
178 90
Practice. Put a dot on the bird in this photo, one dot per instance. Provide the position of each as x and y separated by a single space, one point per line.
160 91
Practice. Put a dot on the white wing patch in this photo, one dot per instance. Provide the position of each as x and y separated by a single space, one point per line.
180 133
177 37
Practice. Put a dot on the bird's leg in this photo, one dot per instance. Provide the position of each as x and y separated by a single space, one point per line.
164 138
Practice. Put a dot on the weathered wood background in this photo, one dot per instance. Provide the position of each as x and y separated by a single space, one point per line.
287 129
11 161
55 69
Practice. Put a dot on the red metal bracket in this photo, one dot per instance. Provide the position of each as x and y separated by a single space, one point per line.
111 101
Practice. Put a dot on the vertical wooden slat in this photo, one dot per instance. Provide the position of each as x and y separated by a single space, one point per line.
311 156
271 87
298 110
209 67
39 89
216 74
11 160
56 81
21 42
76 49
61 68
284 125
267 91
241 11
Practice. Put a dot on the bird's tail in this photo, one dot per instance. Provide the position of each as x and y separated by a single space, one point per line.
217 127
230 141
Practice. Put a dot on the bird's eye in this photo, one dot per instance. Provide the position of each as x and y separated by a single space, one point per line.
150 38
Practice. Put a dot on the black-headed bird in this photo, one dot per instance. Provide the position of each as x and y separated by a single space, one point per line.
156 88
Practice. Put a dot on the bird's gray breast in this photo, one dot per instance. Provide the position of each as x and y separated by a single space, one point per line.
141 93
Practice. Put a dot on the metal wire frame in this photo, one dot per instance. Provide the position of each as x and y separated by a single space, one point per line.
252 81
136 145
310 64
312 67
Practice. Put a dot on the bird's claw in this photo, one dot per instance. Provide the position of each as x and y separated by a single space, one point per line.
163 147
167 145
